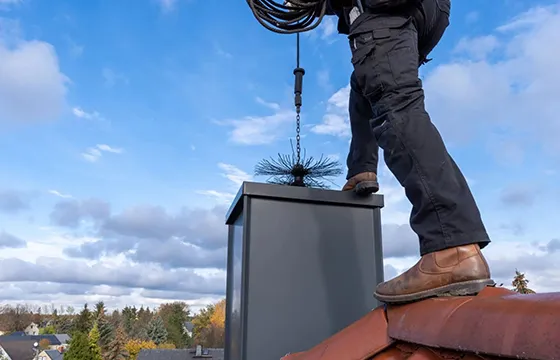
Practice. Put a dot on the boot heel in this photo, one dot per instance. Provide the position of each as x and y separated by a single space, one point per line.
467 288
365 188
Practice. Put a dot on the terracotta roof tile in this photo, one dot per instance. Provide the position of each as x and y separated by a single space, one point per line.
495 323
359 341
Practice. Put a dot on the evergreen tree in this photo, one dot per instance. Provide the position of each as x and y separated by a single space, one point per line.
106 332
84 321
117 349
174 316
99 309
156 330
520 284
64 325
129 318
94 342
78 348
140 329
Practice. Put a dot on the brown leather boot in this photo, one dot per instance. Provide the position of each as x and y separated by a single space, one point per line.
461 270
363 184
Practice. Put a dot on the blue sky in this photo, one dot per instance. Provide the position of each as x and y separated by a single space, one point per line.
127 126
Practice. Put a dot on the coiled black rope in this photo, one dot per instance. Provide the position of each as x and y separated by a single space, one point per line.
292 16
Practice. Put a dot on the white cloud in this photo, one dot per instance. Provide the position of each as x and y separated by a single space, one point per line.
478 48
93 154
82 114
236 176
328 27
335 121
326 31
482 95
533 259
259 130
104 147
59 194
273 106
32 86
468 95
221 197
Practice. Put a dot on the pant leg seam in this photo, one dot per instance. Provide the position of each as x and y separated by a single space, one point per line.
446 236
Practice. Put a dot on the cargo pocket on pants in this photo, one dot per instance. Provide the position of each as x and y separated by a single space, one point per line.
403 56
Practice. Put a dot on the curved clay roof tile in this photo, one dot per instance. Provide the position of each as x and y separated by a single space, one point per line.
497 323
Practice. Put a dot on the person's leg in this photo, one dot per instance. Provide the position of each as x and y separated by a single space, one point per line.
364 153
444 213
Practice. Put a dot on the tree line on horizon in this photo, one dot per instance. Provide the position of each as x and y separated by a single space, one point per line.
120 335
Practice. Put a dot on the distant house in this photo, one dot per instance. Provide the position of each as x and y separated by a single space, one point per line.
188 326
64 339
32 329
181 354
56 342
17 349
50 355
3 329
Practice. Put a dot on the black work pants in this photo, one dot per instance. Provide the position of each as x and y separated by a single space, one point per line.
387 110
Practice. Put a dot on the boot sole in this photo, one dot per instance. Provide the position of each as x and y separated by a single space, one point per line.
366 188
464 288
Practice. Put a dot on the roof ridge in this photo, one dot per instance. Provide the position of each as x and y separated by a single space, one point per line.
498 322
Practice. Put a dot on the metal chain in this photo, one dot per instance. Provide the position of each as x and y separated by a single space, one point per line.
298 72
298 146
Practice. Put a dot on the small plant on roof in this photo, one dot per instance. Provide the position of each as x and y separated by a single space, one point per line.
520 284
296 171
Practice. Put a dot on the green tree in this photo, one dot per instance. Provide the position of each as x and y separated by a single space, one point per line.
140 328
94 347
520 284
117 347
156 330
50 329
106 332
99 309
78 348
83 322
64 324
174 316
129 318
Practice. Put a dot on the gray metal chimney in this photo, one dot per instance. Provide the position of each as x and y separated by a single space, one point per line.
302 264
